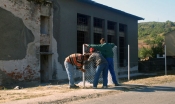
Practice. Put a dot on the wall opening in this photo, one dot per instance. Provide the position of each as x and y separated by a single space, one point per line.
122 45
97 38
111 38
44 71
98 22
44 64
44 28
82 31
44 48
81 36
121 51
98 30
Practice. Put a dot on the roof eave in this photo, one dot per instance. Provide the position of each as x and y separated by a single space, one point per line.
110 8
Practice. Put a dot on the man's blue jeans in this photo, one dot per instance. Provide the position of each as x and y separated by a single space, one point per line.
70 72
104 69
111 69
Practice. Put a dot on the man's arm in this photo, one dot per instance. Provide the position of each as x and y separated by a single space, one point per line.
96 46
81 68
112 44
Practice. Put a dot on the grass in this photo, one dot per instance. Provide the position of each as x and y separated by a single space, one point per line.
159 78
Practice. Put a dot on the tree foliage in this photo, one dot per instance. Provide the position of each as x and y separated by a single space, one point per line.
144 52
151 29
156 47
152 33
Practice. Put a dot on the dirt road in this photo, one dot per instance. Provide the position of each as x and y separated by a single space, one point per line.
160 94
60 94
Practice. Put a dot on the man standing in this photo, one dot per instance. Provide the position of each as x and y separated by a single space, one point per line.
101 67
74 60
106 50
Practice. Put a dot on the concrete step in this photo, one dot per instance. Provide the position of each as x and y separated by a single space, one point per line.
131 75
123 72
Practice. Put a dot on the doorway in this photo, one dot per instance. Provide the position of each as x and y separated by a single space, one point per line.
44 71
44 63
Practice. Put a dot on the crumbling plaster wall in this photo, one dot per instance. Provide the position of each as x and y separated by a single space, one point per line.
58 69
26 68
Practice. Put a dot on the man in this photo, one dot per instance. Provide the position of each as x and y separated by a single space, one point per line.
106 50
102 67
74 60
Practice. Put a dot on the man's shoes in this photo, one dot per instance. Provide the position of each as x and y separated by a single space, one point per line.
116 84
74 86
105 87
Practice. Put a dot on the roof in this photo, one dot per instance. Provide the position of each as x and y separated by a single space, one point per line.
91 2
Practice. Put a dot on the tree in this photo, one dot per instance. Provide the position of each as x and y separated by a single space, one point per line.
156 48
144 52
152 33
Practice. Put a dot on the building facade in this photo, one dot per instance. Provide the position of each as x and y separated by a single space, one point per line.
37 38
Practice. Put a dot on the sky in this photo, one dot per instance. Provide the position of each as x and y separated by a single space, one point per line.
150 10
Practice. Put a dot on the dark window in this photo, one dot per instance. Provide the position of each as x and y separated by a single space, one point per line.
82 19
121 27
111 25
97 38
121 51
82 31
98 22
110 39
80 40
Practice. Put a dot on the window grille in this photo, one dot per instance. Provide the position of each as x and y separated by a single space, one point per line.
97 38
121 28
111 25
80 40
121 51
98 23
82 19
111 39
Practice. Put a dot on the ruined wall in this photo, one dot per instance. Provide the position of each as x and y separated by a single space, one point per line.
58 68
19 42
